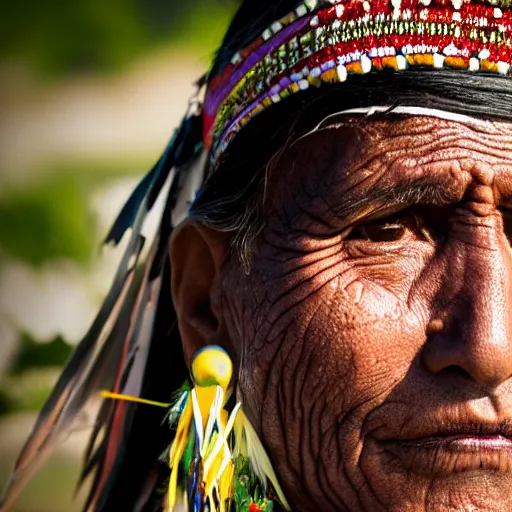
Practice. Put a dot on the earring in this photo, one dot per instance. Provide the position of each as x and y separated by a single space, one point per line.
216 458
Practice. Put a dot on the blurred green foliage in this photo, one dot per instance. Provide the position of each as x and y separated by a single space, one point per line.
49 217
31 355
26 392
47 220
60 37
31 374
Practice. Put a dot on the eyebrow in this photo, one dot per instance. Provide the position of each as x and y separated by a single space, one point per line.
421 191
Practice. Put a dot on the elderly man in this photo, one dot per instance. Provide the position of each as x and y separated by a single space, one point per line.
339 224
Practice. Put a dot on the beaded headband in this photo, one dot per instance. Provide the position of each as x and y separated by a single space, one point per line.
326 41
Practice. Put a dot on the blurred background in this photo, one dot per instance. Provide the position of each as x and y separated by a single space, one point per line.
90 93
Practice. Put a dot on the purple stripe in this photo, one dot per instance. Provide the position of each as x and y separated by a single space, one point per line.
247 110
215 98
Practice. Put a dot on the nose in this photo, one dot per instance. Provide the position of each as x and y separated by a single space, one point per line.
475 331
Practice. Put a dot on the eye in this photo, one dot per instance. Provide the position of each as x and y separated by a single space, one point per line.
391 229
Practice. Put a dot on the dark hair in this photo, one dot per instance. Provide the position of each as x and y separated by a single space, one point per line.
232 200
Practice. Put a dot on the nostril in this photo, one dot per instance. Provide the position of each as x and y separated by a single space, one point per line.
456 371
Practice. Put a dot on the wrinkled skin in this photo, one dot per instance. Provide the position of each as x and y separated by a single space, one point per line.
377 309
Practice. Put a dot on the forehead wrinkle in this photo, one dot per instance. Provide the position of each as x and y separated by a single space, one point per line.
383 188
380 136
397 183
370 176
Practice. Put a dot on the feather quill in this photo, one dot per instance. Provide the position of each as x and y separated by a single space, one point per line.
119 337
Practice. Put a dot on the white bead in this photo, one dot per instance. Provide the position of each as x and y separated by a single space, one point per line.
503 68
303 85
438 60
340 9
498 13
236 59
397 5
401 62
366 63
276 26
451 50
474 64
341 72
484 54
457 4
267 34
301 11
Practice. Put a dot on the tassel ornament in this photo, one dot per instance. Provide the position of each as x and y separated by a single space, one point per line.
216 459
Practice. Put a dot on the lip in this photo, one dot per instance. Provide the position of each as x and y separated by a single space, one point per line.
444 456
464 424
464 443
453 448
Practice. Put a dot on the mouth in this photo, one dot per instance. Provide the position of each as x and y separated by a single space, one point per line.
460 449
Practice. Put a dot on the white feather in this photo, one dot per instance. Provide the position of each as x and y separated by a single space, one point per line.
249 445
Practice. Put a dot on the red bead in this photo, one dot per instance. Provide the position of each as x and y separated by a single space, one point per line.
465 32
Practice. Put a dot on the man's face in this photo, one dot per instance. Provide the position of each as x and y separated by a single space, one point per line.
374 331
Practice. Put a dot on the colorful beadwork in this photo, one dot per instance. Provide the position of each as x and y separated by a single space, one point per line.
248 496
326 41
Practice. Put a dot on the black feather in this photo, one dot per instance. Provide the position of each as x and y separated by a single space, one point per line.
117 335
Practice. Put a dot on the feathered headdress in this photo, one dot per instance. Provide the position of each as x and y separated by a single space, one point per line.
132 347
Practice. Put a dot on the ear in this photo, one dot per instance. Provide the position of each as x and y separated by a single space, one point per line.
197 254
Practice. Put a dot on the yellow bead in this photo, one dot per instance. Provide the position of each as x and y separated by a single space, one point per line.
212 366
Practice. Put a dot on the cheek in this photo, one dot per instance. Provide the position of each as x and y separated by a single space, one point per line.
373 300
343 325
313 368
352 350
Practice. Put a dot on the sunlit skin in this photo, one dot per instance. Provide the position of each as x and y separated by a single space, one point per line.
373 334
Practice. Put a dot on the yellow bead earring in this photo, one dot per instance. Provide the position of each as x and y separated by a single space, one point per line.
216 458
